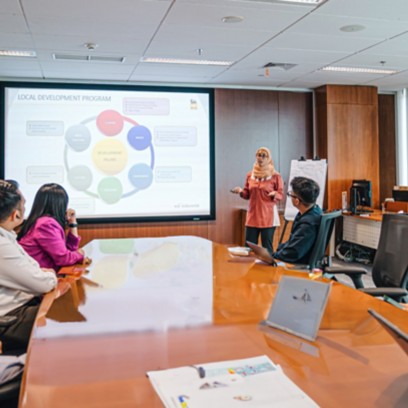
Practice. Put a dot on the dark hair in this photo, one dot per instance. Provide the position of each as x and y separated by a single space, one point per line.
14 183
10 199
52 200
306 189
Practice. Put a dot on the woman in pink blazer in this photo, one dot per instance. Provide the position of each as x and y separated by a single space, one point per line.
50 233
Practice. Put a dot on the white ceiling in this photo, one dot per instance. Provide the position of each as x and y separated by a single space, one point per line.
307 36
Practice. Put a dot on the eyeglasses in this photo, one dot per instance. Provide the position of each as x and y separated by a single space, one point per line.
263 155
290 194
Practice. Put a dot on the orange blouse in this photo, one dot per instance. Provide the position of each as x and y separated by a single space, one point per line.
261 206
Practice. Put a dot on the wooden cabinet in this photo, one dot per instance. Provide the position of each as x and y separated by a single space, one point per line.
347 136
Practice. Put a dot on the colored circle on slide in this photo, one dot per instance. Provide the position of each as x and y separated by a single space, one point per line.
110 190
139 137
78 137
110 122
110 156
80 177
140 176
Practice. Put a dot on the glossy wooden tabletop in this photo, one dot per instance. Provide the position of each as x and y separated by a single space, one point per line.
158 303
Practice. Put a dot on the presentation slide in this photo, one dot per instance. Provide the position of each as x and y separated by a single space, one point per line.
119 153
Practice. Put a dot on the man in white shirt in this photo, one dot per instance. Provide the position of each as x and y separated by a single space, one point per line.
22 281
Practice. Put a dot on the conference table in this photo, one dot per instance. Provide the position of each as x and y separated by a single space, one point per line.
157 303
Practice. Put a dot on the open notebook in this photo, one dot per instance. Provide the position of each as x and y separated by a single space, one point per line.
400 337
298 306
254 382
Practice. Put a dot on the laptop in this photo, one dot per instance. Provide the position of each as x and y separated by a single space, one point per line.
400 337
298 306
261 253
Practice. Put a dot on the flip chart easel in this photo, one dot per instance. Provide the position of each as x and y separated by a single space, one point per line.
314 169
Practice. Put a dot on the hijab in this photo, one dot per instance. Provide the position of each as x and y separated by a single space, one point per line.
265 170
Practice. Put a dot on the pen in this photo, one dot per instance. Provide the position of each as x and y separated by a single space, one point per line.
200 371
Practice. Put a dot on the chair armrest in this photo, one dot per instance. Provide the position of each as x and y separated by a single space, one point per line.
353 272
394 293
297 267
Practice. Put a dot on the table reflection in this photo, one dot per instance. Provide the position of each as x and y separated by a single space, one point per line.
162 283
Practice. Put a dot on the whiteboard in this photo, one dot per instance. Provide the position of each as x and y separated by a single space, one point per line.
313 169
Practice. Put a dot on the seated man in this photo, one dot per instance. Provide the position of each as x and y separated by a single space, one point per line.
305 226
22 281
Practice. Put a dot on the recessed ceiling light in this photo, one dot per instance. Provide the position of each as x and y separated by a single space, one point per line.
360 70
303 2
316 2
184 61
16 53
352 28
232 19
87 58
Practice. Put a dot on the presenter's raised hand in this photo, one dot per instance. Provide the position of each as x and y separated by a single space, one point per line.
236 190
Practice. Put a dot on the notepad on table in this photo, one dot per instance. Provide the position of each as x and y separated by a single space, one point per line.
251 383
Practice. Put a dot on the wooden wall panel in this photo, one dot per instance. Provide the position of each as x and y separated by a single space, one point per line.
351 95
134 230
295 129
244 121
386 127
350 141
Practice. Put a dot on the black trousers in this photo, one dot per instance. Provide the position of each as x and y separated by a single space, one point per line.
15 337
252 235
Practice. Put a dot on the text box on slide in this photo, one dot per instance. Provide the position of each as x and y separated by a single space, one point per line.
175 136
43 174
83 205
45 128
146 106
173 174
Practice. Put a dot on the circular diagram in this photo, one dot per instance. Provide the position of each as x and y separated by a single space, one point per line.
101 148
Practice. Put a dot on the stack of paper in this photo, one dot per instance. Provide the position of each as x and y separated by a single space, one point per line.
239 251
256 381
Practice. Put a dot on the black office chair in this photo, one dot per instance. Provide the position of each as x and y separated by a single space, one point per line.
390 266
318 258
9 391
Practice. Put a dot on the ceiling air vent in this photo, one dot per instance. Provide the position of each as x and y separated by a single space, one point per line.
279 65
99 58
91 58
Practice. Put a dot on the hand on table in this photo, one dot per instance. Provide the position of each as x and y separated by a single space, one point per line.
63 286
87 261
